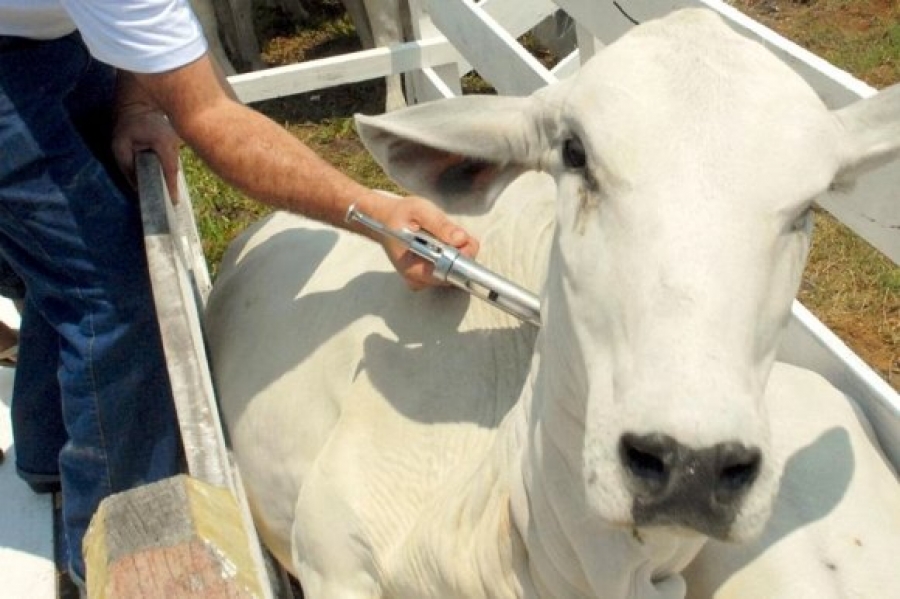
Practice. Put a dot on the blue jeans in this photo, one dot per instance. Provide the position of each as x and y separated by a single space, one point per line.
92 402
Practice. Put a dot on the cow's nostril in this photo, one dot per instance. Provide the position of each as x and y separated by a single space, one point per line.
646 459
643 464
738 468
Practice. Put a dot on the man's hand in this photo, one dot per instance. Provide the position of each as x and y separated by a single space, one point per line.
140 125
416 213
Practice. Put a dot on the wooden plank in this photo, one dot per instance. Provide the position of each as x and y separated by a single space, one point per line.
489 48
178 537
180 282
872 208
515 16
430 83
431 51
182 340
339 70
187 236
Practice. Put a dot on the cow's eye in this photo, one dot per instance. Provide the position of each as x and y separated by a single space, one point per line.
573 153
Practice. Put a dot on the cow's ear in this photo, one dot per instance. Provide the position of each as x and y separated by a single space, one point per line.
459 152
872 133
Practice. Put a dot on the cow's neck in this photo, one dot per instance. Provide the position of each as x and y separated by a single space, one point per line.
572 553
514 513
572 550
520 531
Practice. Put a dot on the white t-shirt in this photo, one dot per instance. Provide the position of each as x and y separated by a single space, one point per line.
144 36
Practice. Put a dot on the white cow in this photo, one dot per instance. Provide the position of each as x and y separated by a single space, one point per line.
428 446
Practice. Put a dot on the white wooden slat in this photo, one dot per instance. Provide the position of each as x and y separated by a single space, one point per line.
872 208
188 237
810 344
568 66
515 16
338 70
489 48
430 83
518 16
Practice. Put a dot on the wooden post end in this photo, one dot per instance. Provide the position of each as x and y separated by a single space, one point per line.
179 537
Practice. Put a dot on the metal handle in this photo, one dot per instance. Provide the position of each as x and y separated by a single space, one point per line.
460 271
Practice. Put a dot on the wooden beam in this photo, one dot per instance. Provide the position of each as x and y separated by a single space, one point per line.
489 48
179 537
430 83
125 559
176 296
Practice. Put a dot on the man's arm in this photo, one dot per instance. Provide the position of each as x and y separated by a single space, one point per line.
261 158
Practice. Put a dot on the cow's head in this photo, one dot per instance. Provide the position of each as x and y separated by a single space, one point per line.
686 160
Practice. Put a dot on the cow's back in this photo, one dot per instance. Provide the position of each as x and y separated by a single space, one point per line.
323 359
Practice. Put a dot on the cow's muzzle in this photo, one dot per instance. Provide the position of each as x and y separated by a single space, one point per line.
672 484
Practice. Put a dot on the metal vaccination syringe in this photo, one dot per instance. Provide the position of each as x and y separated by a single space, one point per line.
460 271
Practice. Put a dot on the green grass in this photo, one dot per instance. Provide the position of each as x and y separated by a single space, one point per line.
221 212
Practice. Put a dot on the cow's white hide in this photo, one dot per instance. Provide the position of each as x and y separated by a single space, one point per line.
414 446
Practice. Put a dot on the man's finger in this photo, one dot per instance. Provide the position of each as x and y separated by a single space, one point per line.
124 159
169 162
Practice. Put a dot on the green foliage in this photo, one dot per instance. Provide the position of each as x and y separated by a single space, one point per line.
221 211
889 280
